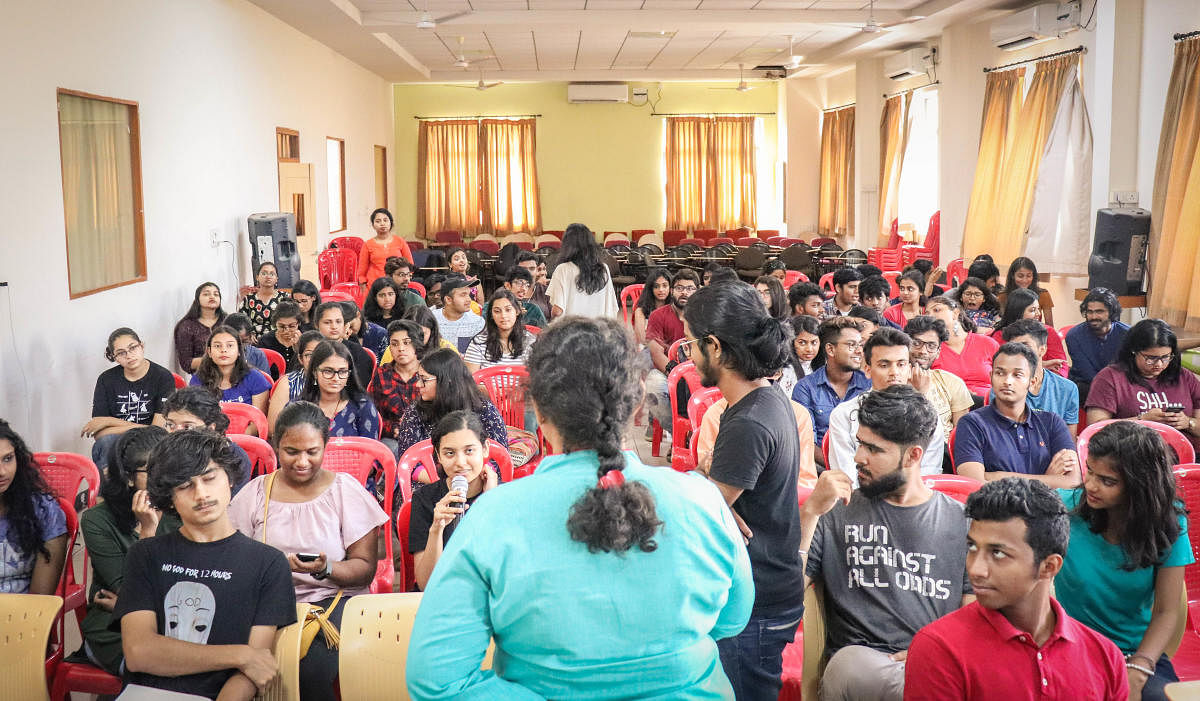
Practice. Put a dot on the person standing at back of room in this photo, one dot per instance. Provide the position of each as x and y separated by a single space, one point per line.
375 251
754 465
581 283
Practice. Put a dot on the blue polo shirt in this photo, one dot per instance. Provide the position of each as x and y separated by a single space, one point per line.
1089 354
818 396
1004 445
1058 395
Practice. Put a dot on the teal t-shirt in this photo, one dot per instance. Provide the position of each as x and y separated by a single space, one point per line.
1094 589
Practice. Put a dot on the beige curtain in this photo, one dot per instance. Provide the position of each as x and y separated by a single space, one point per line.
894 124
835 213
104 246
510 184
1175 217
1002 98
448 167
711 182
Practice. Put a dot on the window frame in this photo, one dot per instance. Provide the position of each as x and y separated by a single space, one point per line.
382 150
135 171
341 178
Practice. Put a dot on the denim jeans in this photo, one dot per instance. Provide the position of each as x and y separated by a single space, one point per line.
1155 688
101 448
753 659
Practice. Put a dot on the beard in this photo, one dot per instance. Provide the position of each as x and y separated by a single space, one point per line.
883 485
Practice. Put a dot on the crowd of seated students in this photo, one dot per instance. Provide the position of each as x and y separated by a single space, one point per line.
887 399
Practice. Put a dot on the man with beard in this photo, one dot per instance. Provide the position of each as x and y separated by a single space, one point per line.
1009 438
886 356
946 391
888 557
1094 344
663 327
738 347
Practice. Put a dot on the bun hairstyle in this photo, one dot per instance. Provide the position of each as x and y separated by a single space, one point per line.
753 344
112 338
299 413
589 401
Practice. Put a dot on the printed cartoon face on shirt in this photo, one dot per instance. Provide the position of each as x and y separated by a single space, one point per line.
190 607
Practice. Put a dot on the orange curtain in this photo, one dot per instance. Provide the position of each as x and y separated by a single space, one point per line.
893 139
448 166
1175 217
510 184
1002 100
711 182
835 214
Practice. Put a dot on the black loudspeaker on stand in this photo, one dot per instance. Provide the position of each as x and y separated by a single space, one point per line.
1118 259
273 240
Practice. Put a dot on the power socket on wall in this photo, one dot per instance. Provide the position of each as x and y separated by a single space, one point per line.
1125 198
214 238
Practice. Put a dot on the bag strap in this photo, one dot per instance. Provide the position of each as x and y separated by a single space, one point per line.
267 502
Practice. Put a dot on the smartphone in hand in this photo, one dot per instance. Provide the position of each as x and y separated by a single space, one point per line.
307 557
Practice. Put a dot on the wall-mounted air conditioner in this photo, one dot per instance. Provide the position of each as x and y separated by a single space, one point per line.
1034 25
583 93
908 64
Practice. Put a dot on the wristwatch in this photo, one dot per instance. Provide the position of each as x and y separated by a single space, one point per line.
325 572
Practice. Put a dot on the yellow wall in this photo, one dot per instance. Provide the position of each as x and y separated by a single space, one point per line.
597 164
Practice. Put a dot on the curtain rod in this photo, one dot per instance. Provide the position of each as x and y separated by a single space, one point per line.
483 116
712 114
1076 50
839 107
919 87
1186 35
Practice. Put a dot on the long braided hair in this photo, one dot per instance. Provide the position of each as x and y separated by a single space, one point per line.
590 400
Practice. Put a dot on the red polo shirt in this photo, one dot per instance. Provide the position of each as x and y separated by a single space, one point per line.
976 654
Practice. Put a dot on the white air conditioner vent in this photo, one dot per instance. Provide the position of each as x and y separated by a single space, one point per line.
908 64
585 93
1034 25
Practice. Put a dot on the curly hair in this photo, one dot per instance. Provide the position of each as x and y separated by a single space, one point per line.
952 304
183 455
1151 512
210 374
24 528
200 403
126 456
589 401
989 304
1047 526
1104 296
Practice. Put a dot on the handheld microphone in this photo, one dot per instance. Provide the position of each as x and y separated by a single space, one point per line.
459 482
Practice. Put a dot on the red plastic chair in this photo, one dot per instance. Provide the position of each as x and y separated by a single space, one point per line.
336 265
420 458
672 237
374 360
885 258
505 385
487 246
950 448
821 241
1184 452
630 294
352 243
359 457
242 415
933 237
890 276
692 241
408 576
65 472
956 272
1062 331
698 405
350 288
277 363
748 241
682 458
336 296
720 240
262 456
73 593
955 486
791 277
826 284
180 383
417 287
1187 485
825 448
448 236
532 329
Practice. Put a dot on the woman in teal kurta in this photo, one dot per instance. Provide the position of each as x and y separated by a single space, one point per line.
591 588
1123 573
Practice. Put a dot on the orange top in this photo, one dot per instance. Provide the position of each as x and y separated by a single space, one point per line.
374 254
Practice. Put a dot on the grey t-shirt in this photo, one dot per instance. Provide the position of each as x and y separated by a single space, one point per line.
888 570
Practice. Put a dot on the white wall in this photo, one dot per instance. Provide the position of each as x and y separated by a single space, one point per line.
213 79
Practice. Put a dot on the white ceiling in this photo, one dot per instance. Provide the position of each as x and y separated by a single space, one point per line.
614 39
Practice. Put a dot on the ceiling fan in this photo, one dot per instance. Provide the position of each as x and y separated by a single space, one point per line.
873 27
742 85
481 86
461 60
428 21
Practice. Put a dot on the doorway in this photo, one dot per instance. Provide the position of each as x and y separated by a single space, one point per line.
296 196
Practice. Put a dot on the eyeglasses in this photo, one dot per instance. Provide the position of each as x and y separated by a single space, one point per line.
127 352
1156 359
972 294
306 355
425 379
520 284
287 327
930 346
852 345
684 289
330 373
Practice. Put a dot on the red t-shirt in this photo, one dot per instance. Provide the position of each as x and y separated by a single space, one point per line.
1054 348
664 326
973 366
976 654
1114 393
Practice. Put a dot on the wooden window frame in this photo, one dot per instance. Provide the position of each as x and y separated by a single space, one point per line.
383 148
135 171
341 178
284 131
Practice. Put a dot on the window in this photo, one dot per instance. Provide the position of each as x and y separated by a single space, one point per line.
102 192
335 154
287 145
381 176
918 199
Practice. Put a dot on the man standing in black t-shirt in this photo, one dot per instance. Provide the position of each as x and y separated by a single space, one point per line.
198 608
755 462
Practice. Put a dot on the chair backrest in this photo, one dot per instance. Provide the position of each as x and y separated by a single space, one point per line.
1184 452
821 241
262 456
338 266
933 237
715 241
26 620
704 234
242 415
487 246
276 361
351 288
336 296
546 239
533 329
630 294
692 241
360 457
415 245
950 449
353 243
505 386
373 650
956 272
673 349
1187 486
180 383
955 486
825 448
890 276
374 360
408 577
791 277
699 404
419 457
448 236
417 287
747 240
1062 331
826 283
286 686
64 472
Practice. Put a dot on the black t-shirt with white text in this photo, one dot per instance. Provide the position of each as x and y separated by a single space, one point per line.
758 450
205 593
135 402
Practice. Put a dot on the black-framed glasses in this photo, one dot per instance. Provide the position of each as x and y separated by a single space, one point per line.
930 346
1156 359
127 352
684 289
330 373
425 379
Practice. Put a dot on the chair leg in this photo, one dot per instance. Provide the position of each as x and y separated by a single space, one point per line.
656 438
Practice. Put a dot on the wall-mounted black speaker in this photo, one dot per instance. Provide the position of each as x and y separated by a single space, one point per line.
273 239
1118 259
